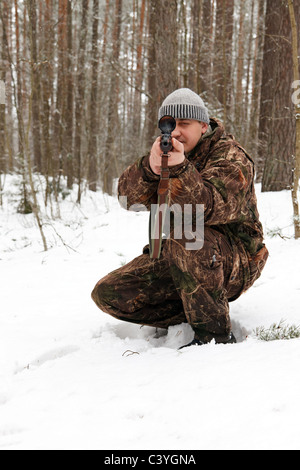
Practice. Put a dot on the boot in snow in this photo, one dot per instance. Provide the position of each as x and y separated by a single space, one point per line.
205 339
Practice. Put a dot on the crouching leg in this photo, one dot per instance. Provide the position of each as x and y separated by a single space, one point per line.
206 280
141 292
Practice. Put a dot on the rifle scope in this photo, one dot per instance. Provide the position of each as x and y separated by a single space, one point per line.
167 125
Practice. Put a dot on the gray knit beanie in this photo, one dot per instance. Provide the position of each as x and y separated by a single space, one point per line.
184 104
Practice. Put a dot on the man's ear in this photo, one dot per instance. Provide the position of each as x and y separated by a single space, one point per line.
204 127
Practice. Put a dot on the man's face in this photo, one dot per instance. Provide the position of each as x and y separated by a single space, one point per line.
189 132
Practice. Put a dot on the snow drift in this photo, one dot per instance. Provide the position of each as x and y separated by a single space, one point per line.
73 378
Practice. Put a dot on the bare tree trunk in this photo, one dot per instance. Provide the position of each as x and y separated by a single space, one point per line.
245 134
47 96
183 46
80 94
193 73
111 146
92 143
151 110
296 169
277 126
60 85
3 65
206 59
162 60
136 118
6 45
239 102
35 85
18 89
223 55
23 137
68 118
256 87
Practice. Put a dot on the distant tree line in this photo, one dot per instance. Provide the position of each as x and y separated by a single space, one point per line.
84 80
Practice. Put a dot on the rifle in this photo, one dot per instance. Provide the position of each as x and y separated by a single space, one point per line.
167 125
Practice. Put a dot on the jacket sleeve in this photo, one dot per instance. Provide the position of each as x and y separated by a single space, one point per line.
138 186
223 187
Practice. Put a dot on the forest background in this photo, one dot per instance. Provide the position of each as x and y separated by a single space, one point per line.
83 81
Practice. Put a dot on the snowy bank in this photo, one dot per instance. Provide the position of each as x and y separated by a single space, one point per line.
73 378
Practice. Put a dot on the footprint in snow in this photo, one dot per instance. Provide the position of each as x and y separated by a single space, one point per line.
51 355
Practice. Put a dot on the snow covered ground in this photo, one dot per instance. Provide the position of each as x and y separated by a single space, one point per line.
73 378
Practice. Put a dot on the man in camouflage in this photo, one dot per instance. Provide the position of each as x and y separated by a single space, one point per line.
207 166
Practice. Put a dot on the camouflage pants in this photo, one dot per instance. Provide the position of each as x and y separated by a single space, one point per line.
182 286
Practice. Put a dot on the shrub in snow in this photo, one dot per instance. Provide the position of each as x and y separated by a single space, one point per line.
278 331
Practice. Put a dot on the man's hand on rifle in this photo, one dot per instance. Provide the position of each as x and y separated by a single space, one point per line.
176 156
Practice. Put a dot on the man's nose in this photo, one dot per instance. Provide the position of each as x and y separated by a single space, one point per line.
176 133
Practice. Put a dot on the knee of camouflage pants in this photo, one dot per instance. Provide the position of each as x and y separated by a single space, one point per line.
107 296
97 295
141 292
184 285
202 280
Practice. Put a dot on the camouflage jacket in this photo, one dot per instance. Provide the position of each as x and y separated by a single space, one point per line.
218 173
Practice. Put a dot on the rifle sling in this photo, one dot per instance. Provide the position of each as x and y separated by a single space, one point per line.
162 192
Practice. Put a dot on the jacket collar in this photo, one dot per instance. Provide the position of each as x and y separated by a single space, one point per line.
208 140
